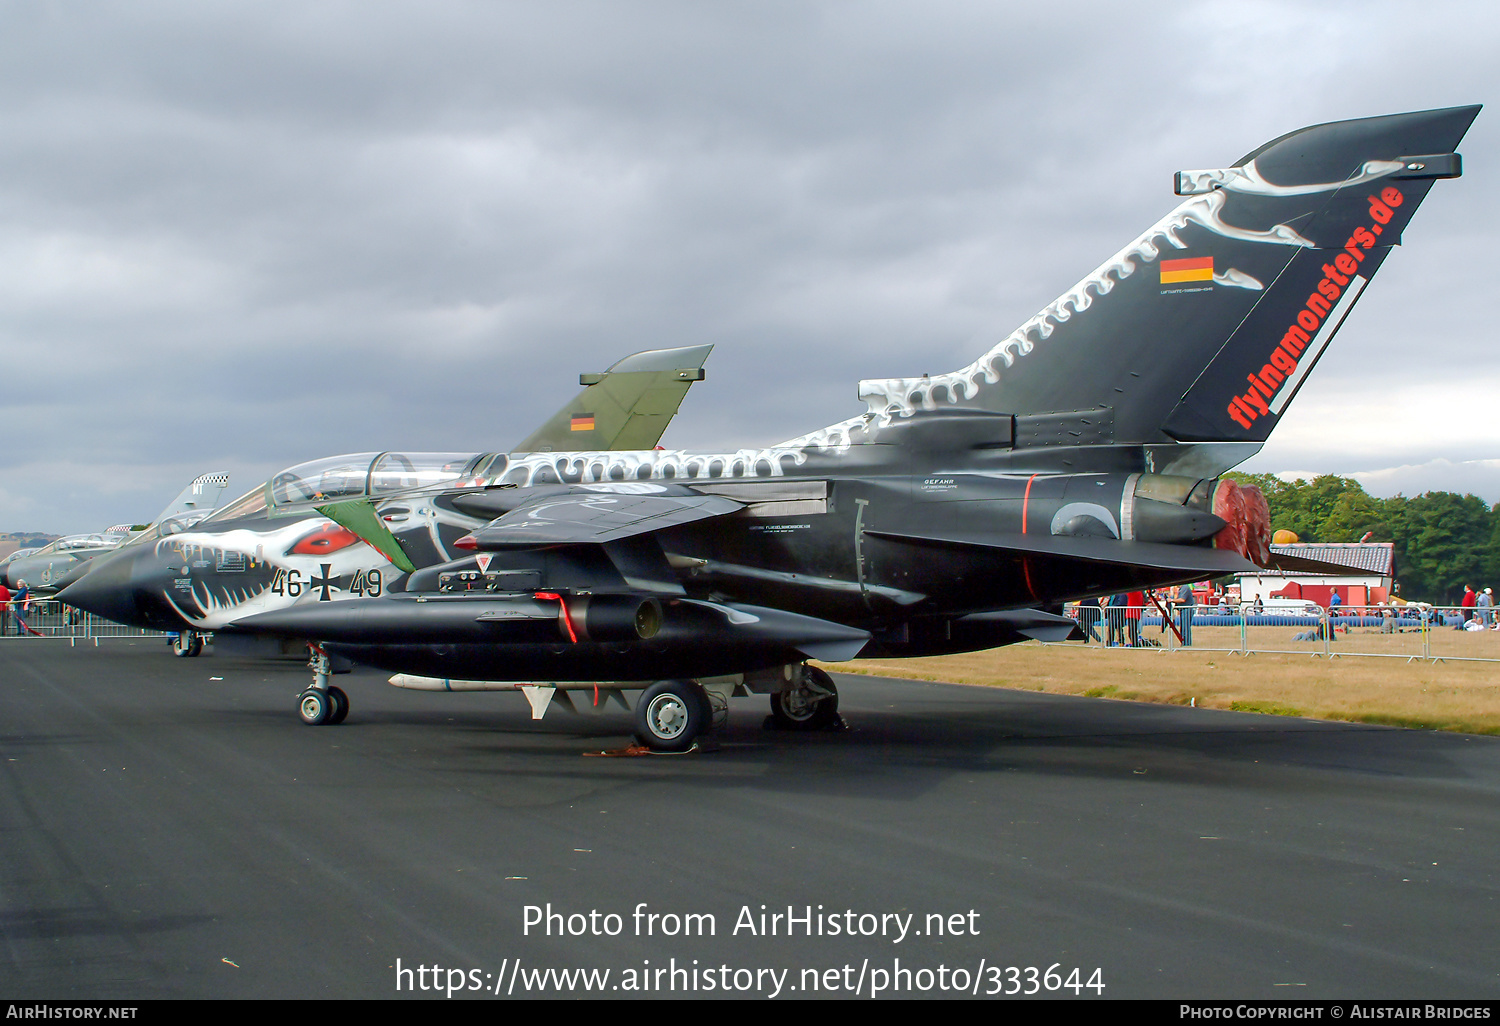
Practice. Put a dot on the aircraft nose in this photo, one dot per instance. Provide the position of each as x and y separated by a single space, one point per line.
107 589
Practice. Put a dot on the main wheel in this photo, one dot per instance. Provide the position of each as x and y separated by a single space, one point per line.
340 705
806 708
186 644
671 714
314 706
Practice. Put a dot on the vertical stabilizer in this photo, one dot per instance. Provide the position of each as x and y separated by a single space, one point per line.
627 407
1205 326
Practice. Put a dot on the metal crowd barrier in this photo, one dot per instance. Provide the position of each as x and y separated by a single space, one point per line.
45 618
1413 633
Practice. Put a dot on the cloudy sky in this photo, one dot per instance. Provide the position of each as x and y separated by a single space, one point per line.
235 236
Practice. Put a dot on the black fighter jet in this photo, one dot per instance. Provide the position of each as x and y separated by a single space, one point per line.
1078 456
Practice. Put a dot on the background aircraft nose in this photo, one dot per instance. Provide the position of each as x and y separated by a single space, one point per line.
106 588
76 574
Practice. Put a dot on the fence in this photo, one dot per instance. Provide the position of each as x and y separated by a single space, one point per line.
1428 633
45 618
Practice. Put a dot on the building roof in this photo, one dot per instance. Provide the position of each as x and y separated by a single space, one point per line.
1370 557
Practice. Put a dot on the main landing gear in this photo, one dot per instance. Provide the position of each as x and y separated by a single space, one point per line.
322 703
809 702
673 715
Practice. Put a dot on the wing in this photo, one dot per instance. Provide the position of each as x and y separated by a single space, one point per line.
1156 555
593 515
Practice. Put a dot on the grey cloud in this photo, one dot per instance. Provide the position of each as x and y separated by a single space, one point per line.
253 234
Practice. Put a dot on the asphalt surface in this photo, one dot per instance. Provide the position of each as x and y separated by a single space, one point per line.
164 833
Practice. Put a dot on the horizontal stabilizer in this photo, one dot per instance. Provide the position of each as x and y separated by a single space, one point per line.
1155 555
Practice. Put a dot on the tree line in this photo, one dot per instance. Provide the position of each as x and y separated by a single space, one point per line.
1443 540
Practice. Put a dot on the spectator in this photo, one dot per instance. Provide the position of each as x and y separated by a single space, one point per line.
1466 606
18 606
1089 614
1135 602
1185 604
1116 616
1482 603
4 609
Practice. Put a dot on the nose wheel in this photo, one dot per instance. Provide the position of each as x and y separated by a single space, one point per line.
322 703
187 644
319 707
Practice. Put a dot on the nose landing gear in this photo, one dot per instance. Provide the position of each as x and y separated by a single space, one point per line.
322 703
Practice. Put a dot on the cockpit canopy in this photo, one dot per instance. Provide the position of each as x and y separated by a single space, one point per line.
371 475
79 543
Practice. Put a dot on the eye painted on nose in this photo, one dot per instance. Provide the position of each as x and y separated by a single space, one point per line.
324 540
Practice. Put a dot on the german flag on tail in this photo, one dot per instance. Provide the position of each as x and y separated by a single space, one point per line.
1189 269
582 422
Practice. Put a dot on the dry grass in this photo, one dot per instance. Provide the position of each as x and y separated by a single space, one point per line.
1458 696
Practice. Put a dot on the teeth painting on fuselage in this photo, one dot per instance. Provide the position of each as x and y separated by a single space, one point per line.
198 576
1081 455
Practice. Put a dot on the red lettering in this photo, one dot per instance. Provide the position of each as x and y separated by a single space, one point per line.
1283 358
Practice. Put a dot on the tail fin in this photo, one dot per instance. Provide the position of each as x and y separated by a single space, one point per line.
1204 327
202 493
626 407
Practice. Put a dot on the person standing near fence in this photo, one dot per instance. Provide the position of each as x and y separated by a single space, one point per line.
1116 620
4 609
1089 615
18 606
1185 604
1135 603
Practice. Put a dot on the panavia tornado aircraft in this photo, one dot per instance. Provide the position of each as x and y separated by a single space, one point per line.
627 406
60 563
1078 456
